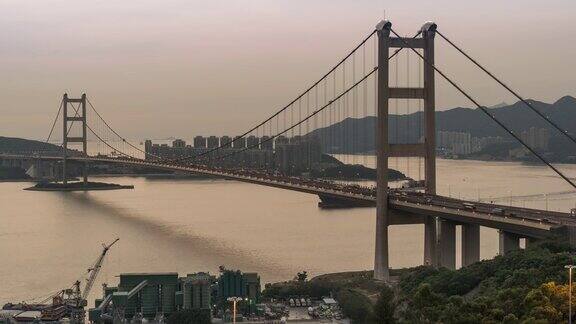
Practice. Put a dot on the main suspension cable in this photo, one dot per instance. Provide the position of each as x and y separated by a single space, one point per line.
326 75
283 108
485 110
122 138
526 102
107 144
55 120
307 117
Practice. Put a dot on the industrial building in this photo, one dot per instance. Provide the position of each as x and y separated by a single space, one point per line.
196 291
150 295
237 284
158 295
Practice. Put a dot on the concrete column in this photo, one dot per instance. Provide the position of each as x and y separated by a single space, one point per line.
64 134
508 242
430 242
448 244
470 244
428 33
431 250
381 262
84 140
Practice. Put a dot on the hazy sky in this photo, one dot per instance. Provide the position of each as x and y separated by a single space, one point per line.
181 68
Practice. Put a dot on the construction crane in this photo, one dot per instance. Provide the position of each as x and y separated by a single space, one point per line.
95 269
79 297
68 302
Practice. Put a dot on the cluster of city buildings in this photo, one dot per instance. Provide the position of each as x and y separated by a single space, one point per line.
456 144
537 138
152 296
290 155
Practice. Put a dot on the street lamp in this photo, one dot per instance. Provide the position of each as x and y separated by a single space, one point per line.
234 300
569 267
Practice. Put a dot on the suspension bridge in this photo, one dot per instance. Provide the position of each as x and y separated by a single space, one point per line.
387 77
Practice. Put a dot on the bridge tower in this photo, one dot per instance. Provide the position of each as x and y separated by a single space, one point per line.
385 150
79 116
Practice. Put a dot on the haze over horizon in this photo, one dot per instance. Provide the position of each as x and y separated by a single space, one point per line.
182 68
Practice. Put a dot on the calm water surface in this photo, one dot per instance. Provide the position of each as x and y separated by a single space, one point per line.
49 239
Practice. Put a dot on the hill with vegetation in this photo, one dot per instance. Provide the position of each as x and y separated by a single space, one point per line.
338 170
524 286
15 145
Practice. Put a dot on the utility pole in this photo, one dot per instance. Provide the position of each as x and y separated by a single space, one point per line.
569 267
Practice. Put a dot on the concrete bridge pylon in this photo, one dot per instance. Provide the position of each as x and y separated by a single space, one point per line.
385 150
67 121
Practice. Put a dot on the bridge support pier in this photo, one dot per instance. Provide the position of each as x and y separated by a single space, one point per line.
431 242
381 262
508 242
470 244
448 244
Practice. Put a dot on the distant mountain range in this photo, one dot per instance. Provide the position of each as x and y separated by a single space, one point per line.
357 135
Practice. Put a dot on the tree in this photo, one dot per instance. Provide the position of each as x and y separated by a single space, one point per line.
355 305
385 307
510 319
549 302
196 316
301 276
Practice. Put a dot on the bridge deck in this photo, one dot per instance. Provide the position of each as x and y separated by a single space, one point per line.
524 221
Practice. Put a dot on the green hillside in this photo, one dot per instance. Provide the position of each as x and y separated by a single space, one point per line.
524 286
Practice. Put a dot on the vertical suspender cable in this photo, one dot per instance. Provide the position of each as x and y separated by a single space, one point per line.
324 125
317 111
419 118
353 113
300 117
396 111
333 114
341 115
408 110
364 109
375 104
55 121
